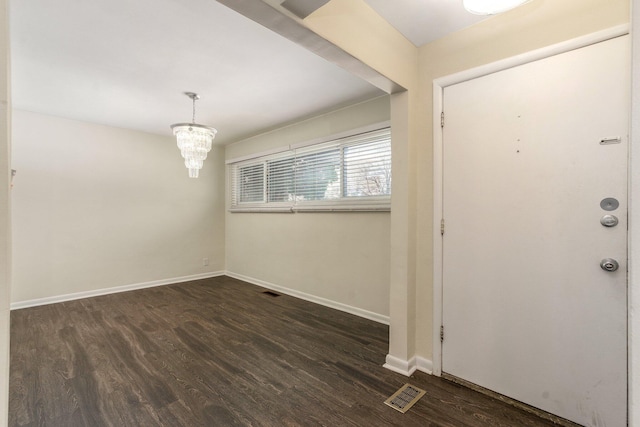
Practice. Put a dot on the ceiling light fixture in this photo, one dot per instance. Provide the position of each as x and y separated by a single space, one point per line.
491 7
194 140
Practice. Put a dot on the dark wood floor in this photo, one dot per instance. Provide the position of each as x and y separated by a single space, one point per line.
219 352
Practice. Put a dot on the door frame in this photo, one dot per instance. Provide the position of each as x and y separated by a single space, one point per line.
439 85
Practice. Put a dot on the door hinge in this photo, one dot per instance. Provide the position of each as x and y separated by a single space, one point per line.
442 119
441 333
442 227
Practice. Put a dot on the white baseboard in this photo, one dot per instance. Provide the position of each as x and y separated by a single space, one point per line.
424 365
298 294
86 294
401 366
312 298
408 367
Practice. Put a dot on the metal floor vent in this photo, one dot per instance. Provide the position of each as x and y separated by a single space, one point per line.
271 294
405 398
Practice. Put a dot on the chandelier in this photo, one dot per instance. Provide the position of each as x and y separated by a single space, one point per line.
194 140
491 7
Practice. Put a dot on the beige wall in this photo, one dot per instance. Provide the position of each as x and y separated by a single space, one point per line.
535 25
359 30
342 257
97 207
5 213
634 231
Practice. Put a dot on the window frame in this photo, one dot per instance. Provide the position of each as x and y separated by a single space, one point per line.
342 203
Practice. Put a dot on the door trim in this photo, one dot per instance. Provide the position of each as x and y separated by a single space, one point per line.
439 85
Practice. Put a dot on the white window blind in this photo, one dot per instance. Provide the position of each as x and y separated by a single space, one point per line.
280 180
367 168
317 175
352 173
251 183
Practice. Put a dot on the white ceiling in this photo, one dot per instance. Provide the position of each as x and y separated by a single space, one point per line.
126 63
423 21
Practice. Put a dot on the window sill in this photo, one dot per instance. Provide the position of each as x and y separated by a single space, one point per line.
255 209
371 206
343 208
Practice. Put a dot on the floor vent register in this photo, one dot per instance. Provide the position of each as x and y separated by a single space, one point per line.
403 399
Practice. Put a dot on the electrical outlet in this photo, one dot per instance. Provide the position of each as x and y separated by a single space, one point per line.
205 261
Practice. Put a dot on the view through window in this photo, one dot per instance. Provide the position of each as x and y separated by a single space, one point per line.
350 172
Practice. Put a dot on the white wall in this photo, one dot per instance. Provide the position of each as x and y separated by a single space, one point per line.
342 257
98 207
5 213
634 225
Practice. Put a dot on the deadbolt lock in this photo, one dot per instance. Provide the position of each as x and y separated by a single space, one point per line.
609 264
609 204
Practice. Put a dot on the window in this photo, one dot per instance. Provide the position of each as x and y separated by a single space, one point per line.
352 173
251 182
317 176
367 169
280 180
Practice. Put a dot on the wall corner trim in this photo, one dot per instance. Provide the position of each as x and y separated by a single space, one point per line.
424 365
105 291
312 298
401 366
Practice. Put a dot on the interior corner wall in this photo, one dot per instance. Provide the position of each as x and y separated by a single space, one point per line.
97 207
5 211
534 25
402 281
339 257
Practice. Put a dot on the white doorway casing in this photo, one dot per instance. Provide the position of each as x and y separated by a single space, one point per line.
439 86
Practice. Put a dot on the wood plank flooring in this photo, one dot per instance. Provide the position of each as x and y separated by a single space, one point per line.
219 352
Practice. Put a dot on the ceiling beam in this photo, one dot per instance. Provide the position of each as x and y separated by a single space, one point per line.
303 8
290 28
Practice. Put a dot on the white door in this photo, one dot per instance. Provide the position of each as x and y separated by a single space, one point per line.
530 153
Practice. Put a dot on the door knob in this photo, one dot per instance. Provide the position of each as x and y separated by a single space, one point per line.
609 220
609 264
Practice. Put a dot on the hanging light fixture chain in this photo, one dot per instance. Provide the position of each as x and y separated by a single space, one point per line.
194 97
